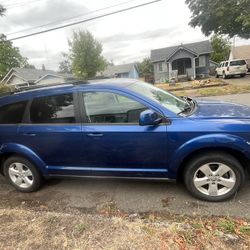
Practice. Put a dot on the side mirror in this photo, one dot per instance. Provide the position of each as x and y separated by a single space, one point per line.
149 117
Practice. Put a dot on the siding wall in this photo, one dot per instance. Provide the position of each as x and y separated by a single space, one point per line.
204 70
133 73
16 80
161 75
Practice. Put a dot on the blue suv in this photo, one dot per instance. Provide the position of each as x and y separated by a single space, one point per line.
123 129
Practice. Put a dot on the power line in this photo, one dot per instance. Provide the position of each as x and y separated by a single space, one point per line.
83 21
18 4
63 20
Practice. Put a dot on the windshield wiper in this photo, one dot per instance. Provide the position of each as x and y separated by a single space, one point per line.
186 109
190 105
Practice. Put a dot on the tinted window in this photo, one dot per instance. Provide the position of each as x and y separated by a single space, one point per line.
12 113
105 107
53 109
238 63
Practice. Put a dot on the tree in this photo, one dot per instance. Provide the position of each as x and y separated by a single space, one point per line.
228 17
221 47
145 67
2 10
9 56
85 55
65 65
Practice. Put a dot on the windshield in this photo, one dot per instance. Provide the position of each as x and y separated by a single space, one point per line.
166 99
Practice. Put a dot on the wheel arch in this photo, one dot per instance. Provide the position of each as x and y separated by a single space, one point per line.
235 145
10 149
244 161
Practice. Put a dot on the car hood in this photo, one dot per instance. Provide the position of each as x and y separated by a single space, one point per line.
219 109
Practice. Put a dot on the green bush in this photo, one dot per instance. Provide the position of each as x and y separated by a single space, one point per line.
5 88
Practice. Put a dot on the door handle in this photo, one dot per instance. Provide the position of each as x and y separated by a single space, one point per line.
29 134
95 134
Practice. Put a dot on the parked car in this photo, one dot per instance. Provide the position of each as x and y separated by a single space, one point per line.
124 129
231 68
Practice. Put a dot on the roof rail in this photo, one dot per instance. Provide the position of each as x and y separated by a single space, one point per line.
34 87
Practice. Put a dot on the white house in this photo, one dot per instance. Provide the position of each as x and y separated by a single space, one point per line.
20 77
241 52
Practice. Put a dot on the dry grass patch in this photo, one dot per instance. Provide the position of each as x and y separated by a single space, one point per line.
215 91
26 229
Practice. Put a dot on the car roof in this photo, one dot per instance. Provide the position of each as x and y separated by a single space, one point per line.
237 60
57 88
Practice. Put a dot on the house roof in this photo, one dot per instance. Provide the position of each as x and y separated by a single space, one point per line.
199 48
117 69
63 76
32 74
241 52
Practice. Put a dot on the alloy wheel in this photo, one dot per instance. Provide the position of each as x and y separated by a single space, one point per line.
20 175
214 179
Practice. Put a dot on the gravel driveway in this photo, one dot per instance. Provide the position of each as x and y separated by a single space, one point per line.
238 80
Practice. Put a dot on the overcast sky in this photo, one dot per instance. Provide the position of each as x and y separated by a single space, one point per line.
126 37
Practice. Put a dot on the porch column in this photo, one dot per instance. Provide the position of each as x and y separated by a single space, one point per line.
170 70
194 67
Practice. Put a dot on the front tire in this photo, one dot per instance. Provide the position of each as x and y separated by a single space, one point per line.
214 176
216 75
22 174
224 76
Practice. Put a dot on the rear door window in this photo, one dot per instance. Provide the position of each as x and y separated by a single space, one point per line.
53 109
238 63
12 113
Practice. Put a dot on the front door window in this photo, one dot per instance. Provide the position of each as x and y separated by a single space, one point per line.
106 107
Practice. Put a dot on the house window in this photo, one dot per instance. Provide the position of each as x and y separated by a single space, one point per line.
196 62
202 61
160 66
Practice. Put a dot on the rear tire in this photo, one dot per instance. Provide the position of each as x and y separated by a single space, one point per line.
214 176
22 174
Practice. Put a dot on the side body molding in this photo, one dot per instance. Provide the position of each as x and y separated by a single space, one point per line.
207 141
25 152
